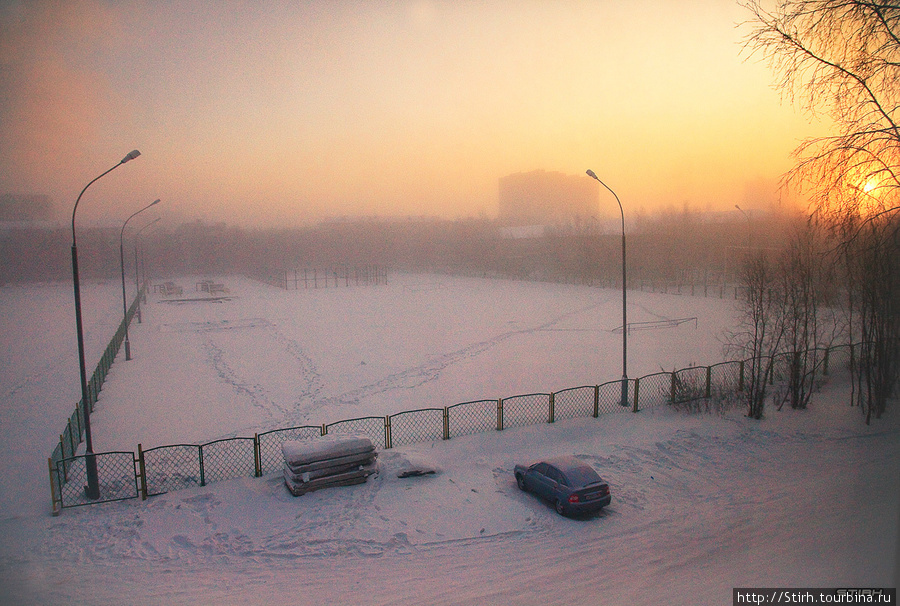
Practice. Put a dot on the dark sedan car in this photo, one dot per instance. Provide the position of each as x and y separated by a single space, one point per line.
567 482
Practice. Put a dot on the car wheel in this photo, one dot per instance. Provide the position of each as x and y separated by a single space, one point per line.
520 481
560 508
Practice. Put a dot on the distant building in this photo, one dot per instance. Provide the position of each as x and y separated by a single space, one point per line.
540 197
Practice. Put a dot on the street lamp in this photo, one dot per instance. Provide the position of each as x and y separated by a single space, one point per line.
137 283
749 228
122 263
624 401
92 490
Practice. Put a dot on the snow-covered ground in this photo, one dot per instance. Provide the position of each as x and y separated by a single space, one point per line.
701 504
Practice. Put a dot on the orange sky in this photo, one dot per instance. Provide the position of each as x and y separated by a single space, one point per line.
278 113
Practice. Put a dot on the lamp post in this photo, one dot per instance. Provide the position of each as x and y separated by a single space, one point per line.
137 283
122 265
92 490
624 401
749 228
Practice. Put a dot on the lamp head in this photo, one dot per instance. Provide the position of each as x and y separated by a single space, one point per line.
131 156
591 174
154 202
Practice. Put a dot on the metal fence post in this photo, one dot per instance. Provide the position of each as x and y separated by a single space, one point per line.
637 383
552 408
596 401
54 510
71 436
78 422
202 471
446 423
62 451
500 414
387 431
256 460
142 469
708 381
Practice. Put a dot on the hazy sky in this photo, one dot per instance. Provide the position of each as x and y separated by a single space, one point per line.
278 112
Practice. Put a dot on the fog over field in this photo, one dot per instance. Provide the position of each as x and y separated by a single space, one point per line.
480 235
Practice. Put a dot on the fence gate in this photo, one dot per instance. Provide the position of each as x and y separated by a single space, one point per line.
117 473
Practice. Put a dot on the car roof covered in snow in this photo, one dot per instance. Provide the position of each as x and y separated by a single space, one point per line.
574 468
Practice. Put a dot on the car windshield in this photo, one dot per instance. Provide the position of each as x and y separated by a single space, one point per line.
581 476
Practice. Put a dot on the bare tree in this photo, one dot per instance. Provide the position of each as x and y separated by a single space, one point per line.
789 317
805 275
843 57
874 310
761 331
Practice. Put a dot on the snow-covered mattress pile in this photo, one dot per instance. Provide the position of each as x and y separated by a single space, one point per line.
327 461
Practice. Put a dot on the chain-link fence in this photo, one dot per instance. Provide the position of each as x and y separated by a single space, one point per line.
371 427
529 409
269 444
837 358
424 425
468 418
226 459
689 384
73 434
654 390
781 367
122 475
117 478
169 468
726 378
575 402
610 397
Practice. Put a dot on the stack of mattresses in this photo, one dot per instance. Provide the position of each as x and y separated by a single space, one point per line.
327 461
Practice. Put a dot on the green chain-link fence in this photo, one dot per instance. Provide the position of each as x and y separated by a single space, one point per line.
164 469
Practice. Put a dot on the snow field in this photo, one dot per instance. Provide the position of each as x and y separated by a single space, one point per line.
701 504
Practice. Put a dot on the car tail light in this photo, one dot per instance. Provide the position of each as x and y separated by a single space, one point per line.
604 490
573 498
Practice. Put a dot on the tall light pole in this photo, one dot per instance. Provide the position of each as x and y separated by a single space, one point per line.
137 280
624 401
92 490
122 264
749 228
